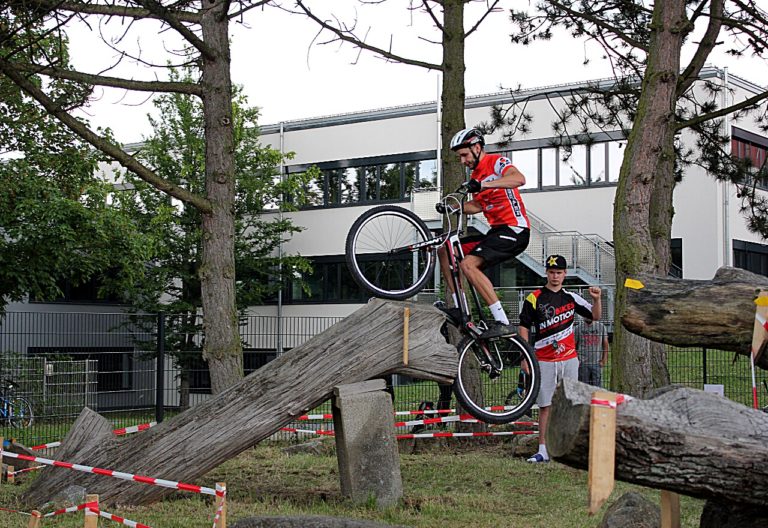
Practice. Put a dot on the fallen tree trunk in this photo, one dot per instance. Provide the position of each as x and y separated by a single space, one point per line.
682 440
368 344
716 314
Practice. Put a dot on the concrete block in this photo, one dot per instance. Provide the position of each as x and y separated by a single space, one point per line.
366 447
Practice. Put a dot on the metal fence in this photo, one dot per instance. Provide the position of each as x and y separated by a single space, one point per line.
108 362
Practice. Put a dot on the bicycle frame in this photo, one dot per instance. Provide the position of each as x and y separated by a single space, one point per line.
451 239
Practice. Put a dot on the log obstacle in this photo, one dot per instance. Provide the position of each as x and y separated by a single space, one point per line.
682 440
718 313
367 344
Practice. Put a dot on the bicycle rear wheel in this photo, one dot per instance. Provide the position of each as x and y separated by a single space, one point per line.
380 253
20 412
493 391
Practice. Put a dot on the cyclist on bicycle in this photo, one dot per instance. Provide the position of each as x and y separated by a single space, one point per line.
494 184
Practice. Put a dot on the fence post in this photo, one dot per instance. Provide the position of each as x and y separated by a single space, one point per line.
160 366
34 521
704 364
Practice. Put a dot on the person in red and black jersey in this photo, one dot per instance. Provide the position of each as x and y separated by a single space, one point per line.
494 184
550 311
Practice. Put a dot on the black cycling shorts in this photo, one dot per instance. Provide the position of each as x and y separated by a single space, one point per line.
497 245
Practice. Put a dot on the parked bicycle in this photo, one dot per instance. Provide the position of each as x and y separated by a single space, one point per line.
15 410
391 253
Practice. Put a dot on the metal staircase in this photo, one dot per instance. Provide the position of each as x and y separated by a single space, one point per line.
590 257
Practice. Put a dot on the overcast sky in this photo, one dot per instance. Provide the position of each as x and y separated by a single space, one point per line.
289 78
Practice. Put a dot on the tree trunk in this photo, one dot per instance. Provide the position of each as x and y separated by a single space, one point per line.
643 204
682 440
222 348
453 91
367 344
694 313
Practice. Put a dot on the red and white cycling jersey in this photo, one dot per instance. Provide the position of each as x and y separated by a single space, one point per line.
551 314
500 206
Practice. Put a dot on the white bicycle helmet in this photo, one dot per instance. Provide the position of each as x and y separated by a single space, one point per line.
466 138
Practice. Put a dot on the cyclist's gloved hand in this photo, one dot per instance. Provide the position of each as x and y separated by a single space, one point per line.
440 207
473 186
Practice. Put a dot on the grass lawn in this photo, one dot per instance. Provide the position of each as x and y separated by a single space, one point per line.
445 486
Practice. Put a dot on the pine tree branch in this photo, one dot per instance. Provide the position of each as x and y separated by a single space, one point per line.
705 47
602 24
746 103
101 143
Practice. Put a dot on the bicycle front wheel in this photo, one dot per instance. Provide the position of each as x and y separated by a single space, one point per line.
489 384
381 255
20 412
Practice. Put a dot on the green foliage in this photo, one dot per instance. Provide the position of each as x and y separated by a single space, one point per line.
57 223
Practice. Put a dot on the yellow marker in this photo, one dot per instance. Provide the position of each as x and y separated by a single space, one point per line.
634 284
762 300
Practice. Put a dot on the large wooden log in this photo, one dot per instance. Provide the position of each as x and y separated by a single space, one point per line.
365 345
682 440
718 314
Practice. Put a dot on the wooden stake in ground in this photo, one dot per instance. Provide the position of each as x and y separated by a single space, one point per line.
670 509
10 477
221 505
91 519
34 521
602 448
406 317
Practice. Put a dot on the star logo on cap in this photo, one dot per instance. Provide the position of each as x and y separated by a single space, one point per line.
552 261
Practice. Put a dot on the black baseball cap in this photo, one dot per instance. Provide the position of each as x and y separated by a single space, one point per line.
555 262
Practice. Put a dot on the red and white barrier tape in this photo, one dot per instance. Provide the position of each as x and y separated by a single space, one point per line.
121 520
308 431
119 432
620 398
45 446
459 435
117 474
407 436
134 428
72 509
217 517
440 419
25 470
17 511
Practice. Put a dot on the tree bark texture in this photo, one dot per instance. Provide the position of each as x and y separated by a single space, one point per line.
643 206
683 440
365 345
718 314
452 98
222 347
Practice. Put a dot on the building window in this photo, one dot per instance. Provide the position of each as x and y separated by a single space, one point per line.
751 256
753 150
329 282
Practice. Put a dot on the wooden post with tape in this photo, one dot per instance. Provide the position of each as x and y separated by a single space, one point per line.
759 335
406 321
602 448
91 518
221 505
34 520
670 509
10 475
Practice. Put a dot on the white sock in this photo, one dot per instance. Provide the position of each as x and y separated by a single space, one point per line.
543 451
498 312
455 300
